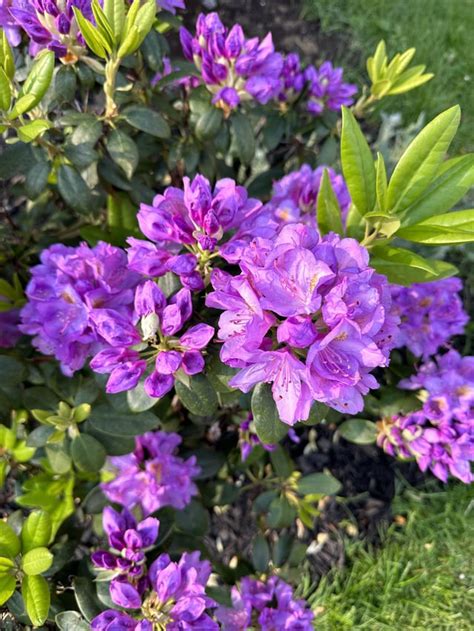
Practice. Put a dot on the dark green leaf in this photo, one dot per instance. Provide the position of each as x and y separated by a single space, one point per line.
260 553
269 428
193 519
87 453
71 621
37 179
208 124
281 462
318 484
244 137
107 421
123 151
199 397
147 120
86 597
281 514
73 189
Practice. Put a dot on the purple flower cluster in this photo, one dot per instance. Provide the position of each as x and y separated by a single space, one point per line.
70 291
441 435
308 315
171 5
50 24
327 89
9 320
324 85
166 595
159 321
271 605
430 314
128 542
234 68
152 476
168 68
9 24
195 219
295 196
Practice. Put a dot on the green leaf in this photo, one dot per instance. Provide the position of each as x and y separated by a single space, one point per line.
198 396
418 165
138 400
209 123
36 561
328 211
281 462
86 597
12 371
7 62
273 131
244 137
318 484
123 152
31 131
453 181
193 519
36 596
357 164
37 179
281 513
405 267
65 84
58 457
114 11
9 542
94 40
147 120
219 375
210 462
381 183
36 531
6 565
138 24
5 91
87 453
102 25
268 426
71 621
7 587
448 229
260 553
36 84
73 189
359 431
108 421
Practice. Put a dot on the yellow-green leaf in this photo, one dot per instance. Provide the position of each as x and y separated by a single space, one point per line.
36 531
36 561
7 587
36 596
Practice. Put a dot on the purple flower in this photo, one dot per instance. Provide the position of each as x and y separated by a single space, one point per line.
70 295
308 315
8 23
158 322
175 599
152 476
195 218
171 5
126 557
295 196
327 89
234 68
430 314
9 319
51 24
186 82
441 435
292 77
271 603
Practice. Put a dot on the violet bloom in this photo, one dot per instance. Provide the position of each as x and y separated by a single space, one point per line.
9 24
271 604
71 290
175 599
234 68
430 314
441 435
295 196
159 322
308 315
9 321
171 5
186 82
292 77
153 476
327 89
195 219
128 542
51 24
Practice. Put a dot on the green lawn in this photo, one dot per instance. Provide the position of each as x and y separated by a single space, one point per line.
441 31
420 578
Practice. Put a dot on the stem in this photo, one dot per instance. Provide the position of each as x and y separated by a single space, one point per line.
111 70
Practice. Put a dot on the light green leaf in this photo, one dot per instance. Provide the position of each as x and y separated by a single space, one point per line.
318 484
6 564
7 587
357 164
36 561
454 179
5 91
328 210
31 131
419 163
9 542
138 400
447 229
381 182
94 40
103 27
267 421
36 596
359 431
36 531
7 61
405 267
115 13
36 84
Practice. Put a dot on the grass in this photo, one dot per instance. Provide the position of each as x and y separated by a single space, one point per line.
420 578
440 30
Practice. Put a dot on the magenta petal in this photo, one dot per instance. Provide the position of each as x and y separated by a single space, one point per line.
125 595
197 337
193 362
157 385
168 362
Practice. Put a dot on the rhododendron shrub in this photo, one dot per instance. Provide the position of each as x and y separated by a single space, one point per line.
210 285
